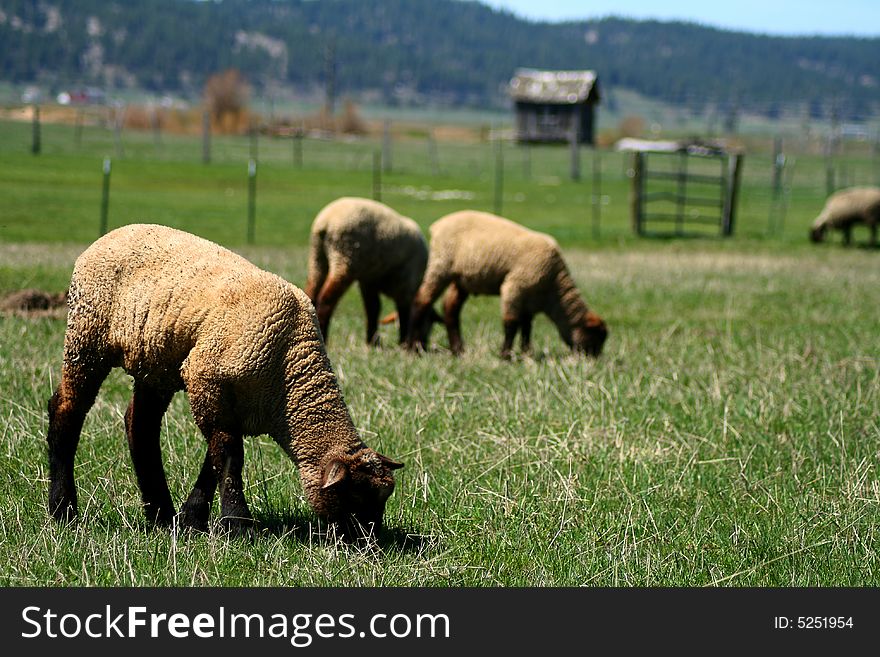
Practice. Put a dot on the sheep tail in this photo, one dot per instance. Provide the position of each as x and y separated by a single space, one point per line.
318 265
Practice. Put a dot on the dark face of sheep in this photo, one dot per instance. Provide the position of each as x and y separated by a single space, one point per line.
353 492
589 337
817 234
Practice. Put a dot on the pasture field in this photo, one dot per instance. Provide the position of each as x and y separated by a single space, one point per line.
729 435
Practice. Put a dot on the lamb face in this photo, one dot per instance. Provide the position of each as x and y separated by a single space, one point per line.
353 491
589 337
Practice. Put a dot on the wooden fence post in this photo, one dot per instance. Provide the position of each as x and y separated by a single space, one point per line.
432 153
36 145
386 146
105 197
499 176
252 200
575 153
206 137
78 129
254 136
118 124
377 176
638 190
775 220
298 136
734 168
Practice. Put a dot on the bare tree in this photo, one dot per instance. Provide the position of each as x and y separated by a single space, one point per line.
226 97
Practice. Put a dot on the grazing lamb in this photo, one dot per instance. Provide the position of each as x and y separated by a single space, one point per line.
481 253
357 239
846 208
179 312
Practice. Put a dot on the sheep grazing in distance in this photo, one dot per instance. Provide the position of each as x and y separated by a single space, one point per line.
179 312
847 208
358 239
481 253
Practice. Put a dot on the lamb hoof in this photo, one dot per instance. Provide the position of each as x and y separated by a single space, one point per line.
194 518
63 511
239 527
161 517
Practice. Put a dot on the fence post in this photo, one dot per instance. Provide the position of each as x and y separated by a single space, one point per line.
638 188
386 146
734 168
786 193
36 142
776 185
499 175
254 136
105 197
778 165
118 121
377 176
298 149
829 166
681 199
596 198
252 200
78 128
206 137
432 153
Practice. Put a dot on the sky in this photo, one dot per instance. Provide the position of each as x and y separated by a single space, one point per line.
777 17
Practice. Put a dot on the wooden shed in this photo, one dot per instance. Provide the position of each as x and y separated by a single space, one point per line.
550 104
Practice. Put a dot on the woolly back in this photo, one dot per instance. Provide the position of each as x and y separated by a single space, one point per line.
367 238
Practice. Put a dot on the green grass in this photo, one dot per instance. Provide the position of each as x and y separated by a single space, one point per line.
729 434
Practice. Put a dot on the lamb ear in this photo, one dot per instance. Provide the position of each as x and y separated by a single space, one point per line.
334 473
389 463
593 320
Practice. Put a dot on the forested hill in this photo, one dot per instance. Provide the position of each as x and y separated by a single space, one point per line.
452 51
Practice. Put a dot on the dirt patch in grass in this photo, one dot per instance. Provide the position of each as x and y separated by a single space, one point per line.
34 303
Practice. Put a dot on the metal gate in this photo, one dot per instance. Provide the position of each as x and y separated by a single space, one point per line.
684 193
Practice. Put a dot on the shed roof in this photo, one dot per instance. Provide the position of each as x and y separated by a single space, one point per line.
559 87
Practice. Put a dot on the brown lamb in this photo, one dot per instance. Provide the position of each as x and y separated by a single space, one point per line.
180 313
358 239
480 253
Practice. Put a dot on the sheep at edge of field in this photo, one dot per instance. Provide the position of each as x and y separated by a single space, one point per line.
847 208
357 239
480 253
180 313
